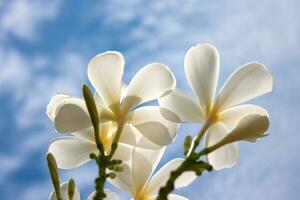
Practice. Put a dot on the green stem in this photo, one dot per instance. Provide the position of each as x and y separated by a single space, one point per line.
189 164
100 181
200 135
103 161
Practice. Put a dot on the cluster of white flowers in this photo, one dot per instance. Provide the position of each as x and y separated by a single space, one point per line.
145 131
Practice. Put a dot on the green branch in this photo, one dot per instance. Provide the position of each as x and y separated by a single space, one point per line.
191 163
103 161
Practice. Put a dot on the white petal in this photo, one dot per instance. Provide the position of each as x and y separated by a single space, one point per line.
250 128
231 116
71 115
85 134
109 195
54 102
201 65
144 143
183 105
124 91
123 179
247 82
71 152
129 135
105 72
170 197
123 152
99 100
132 136
64 192
224 157
143 164
150 122
161 177
102 102
148 84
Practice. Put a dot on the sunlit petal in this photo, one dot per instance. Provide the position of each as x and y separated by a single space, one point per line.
149 160
123 179
161 177
224 157
249 128
71 152
247 82
54 102
231 116
148 84
129 135
105 72
201 65
150 122
183 105
71 115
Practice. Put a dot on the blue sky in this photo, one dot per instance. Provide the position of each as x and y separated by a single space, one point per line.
45 47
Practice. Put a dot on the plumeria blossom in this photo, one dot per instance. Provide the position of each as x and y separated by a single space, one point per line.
64 194
221 112
117 107
137 178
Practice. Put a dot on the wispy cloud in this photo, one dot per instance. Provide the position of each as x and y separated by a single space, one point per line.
22 18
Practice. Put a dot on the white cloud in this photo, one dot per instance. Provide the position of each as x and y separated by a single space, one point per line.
242 30
22 18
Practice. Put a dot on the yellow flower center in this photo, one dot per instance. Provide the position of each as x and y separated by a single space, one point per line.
142 196
212 113
107 133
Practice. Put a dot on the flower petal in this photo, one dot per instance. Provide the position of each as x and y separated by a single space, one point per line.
85 134
144 143
109 195
247 82
64 192
232 116
224 157
201 65
161 177
123 179
149 160
151 124
105 72
123 152
54 102
102 102
71 152
71 115
129 135
170 197
148 84
250 128
183 105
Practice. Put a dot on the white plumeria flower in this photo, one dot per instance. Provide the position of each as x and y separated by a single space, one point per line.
201 66
115 105
64 194
137 178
